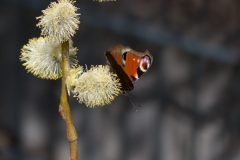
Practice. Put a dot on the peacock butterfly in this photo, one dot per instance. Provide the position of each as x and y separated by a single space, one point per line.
128 64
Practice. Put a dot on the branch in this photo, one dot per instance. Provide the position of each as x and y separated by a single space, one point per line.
64 107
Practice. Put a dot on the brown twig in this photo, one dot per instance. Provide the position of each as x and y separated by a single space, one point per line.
64 107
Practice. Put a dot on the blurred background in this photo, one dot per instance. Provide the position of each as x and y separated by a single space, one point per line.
190 96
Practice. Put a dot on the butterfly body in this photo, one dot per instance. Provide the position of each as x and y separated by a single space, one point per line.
128 64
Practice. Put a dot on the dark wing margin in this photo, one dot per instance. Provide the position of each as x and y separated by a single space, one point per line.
125 81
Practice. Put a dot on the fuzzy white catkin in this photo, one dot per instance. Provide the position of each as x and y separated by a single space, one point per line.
59 21
43 58
97 86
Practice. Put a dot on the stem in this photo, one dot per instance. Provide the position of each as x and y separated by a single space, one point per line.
64 107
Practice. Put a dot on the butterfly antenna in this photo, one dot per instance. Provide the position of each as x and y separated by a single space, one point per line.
134 103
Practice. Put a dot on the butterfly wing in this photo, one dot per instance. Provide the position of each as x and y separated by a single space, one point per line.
125 81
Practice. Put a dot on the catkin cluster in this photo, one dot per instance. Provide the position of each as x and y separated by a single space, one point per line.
43 57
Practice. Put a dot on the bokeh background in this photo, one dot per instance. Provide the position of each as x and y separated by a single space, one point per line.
190 97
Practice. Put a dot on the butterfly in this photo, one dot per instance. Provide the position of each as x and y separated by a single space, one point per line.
128 64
